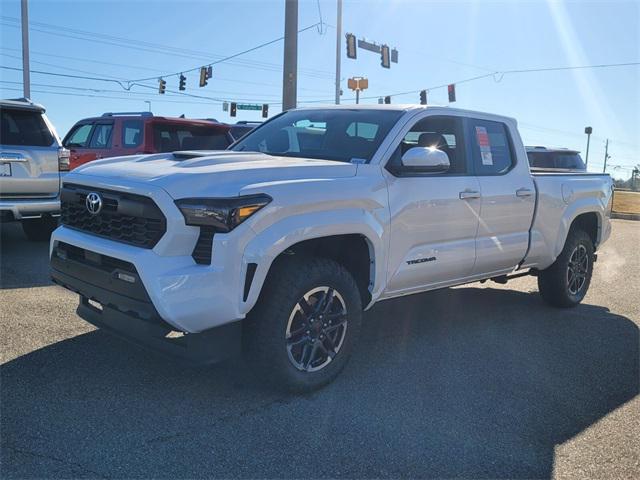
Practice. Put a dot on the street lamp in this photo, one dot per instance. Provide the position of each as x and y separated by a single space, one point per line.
148 102
588 131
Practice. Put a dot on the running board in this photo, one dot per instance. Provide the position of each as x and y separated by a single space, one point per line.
502 279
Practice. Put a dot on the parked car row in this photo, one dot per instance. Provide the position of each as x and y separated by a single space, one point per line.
33 158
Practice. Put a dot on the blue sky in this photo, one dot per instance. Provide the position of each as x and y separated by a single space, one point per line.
438 43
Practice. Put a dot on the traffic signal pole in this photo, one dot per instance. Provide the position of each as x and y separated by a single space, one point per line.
26 78
338 52
290 68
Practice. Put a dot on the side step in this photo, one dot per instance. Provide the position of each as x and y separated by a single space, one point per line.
502 279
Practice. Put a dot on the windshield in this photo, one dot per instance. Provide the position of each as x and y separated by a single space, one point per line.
331 134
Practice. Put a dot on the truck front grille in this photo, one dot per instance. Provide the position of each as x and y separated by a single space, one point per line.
123 217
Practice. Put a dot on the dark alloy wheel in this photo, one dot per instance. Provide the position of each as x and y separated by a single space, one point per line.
303 329
565 283
577 270
316 329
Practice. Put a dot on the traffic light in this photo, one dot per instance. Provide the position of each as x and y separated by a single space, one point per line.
387 99
183 82
452 92
352 51
234 109
203 76
265 110
162 86
385 56
423 97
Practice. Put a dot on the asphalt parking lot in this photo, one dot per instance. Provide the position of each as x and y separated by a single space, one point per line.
479 381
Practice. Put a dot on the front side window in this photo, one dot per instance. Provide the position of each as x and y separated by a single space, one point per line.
24 127
441 132
342 135
490 147
131 133
101 137
79 136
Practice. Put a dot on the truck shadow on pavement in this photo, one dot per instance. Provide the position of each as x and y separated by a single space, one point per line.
22 263
465 382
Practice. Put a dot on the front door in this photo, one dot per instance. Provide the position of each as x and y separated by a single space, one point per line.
434 217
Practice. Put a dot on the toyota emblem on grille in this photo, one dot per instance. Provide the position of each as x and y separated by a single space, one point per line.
93 203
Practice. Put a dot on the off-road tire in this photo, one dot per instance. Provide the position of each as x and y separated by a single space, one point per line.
553 282
265 328
39 229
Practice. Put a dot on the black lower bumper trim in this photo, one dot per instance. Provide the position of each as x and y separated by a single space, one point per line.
118 315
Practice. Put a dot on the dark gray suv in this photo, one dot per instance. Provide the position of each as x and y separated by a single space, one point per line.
32 161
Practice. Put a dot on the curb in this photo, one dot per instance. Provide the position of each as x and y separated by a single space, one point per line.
625 216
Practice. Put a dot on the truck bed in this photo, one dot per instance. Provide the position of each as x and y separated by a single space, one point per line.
562 196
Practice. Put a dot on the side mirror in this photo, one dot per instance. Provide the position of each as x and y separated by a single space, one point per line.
426 159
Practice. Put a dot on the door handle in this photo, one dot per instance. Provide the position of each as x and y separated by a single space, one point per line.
467 194
524 192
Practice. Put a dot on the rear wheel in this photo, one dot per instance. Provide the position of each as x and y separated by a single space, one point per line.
303 329
565 283
39 229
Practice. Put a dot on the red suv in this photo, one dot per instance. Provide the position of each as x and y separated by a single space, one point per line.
116 134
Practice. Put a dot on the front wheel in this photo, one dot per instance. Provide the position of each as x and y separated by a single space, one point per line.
303 329
565 283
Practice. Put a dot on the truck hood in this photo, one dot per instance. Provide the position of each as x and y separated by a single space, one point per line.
217 174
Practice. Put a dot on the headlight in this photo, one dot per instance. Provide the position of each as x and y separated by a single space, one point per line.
224 214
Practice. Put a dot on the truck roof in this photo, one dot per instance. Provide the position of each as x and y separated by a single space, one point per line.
405 107
23 103
550 150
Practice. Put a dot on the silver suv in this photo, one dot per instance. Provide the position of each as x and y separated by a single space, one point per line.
32 160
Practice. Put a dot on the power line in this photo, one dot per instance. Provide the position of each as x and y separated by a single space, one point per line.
499 74
146 46
82 59
244 52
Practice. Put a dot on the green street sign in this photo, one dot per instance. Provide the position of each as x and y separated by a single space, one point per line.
248 106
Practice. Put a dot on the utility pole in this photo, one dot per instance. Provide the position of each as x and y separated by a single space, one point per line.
26 79
338 49
606 156
290 67
588 131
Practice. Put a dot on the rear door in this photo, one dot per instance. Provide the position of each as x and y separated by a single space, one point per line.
28 155
508 196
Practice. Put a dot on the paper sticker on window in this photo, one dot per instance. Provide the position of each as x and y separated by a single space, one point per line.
485 148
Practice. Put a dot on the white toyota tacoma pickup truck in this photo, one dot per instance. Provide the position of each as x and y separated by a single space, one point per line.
276 246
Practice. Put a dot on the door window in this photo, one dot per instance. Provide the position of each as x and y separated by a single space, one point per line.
79 136
131 133
490 147
101 137
441 132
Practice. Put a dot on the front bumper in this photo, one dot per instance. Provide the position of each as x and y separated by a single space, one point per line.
20 209
125 309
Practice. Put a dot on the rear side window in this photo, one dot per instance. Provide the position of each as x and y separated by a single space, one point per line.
490 147
24 127
79 136
101 137
170 138
131 133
